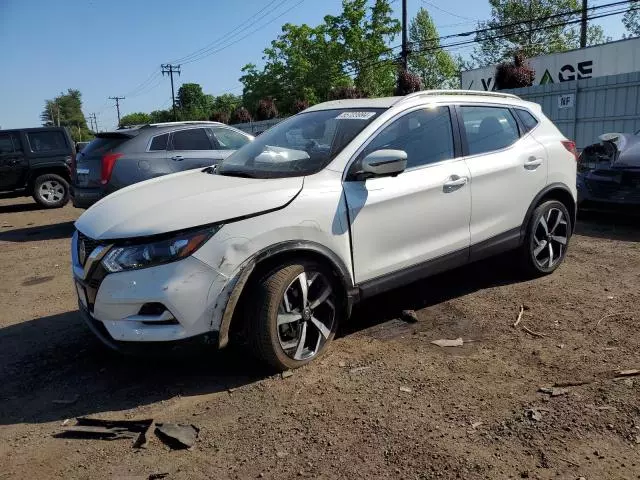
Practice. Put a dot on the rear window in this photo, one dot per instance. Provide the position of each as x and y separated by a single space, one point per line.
528 120
46 141
102 145
159 143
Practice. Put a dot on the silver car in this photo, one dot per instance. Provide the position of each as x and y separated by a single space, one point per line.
126 156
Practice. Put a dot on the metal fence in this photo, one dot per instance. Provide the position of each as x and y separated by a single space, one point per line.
585 109
256 128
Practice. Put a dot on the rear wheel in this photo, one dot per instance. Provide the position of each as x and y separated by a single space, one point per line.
547 238
51 191
296 309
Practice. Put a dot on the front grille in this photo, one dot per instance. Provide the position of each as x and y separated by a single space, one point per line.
89 244
97 272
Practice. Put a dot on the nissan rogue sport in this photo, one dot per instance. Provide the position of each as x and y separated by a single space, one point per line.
331 206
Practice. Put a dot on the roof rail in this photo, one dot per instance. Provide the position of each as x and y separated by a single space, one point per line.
185 122
481 93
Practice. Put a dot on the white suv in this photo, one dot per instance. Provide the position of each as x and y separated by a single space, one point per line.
340 202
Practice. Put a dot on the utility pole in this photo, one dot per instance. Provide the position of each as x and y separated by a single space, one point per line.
117 99
405 47
170 70
583 25
95 122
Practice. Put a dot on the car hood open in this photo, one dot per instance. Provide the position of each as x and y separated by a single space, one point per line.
183 200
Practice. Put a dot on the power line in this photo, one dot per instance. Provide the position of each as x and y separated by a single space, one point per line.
117 99
211 52
233 32
446 11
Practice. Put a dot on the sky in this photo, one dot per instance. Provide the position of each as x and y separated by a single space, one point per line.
115 47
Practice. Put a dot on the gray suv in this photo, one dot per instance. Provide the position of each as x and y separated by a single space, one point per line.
126 156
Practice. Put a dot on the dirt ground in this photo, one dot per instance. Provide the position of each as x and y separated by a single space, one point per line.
382 403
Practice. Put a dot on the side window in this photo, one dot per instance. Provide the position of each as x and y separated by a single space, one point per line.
425 135
489 128
528 120
159 143
192 139
6 145
46 141
229 139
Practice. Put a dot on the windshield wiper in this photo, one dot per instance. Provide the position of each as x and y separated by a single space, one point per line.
237 174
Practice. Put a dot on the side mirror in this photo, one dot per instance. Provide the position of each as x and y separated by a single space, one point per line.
384 163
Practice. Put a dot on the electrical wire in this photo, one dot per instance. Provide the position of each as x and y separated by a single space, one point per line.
446 11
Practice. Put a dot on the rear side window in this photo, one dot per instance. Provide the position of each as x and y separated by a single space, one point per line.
528 120
193 139
102 145
159 143
229 139
46 141
489 128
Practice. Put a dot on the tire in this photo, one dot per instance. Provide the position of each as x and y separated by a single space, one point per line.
279 346
538 258
51 191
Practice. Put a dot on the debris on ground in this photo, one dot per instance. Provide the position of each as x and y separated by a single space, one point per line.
158 476
520 313
67 401
554 391
573 383
177 436
627 373
405 389
531 332
475 425
458 342
533 414
410 316
286 374
342 364
96 428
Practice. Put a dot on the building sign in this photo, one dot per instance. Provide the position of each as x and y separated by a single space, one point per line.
609 59
567 101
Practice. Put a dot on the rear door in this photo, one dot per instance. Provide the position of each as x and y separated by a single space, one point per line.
192 148
508 169
88 172
13 164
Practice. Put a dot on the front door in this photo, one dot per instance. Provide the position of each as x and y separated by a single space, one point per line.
13 164
420 215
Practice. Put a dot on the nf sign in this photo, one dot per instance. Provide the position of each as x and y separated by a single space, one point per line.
599 61
566 101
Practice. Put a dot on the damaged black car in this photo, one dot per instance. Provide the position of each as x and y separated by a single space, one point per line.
609 172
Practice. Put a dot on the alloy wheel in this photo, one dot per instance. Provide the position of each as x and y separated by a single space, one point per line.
51 191
550 238
306 315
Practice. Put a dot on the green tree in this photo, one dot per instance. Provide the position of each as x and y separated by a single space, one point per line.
435 67
137 118
226 103
631 19
65 110
194 104
540 35
160 116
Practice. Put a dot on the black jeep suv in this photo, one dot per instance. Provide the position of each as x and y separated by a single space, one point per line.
36 162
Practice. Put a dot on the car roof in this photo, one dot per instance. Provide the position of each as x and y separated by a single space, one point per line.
155 128
435 96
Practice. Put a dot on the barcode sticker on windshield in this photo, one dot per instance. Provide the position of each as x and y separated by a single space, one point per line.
355 115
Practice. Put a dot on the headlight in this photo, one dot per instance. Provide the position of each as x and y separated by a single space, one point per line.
149 254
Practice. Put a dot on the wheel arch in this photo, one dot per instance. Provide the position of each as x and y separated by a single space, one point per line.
266 260
554 191
36 172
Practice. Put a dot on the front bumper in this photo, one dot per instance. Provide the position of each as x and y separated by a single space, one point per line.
595 191
85 197
188 289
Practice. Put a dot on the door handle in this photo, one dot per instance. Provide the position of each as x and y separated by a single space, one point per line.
177 158
532 163
454 183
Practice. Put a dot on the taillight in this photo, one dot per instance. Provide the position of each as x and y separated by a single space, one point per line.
108 161
571 146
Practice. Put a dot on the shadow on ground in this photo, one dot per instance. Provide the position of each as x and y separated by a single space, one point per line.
609 225
53 368
38 233
19 207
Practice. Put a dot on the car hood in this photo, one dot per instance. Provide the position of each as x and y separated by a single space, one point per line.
183 200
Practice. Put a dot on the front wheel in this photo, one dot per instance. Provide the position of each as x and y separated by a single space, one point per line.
547 238
296 309
51 191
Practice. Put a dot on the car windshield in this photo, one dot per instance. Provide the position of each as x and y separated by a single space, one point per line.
301 145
